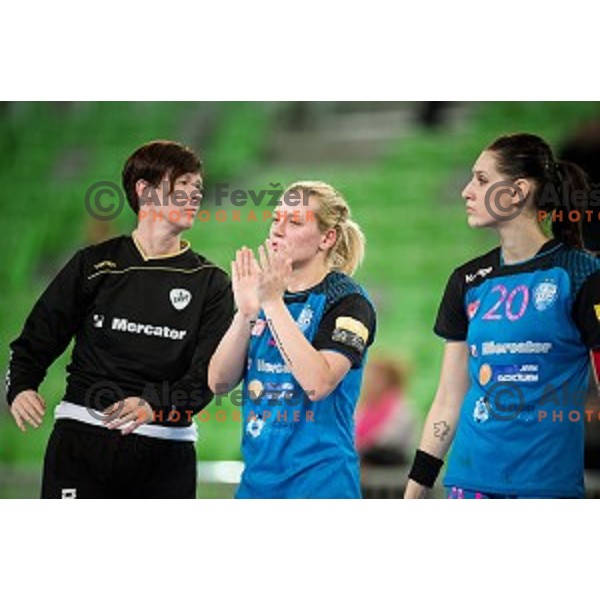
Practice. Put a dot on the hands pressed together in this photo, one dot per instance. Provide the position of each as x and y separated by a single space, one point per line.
256 283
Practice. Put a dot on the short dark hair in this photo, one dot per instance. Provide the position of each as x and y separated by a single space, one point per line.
152 161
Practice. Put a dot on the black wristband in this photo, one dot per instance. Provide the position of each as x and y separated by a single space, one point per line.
425 468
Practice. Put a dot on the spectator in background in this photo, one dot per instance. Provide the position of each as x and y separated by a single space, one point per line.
385 423
432 115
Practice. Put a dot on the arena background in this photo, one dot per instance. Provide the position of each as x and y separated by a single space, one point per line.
401 165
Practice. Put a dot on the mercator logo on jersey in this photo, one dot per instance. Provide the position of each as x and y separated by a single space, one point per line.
180 298
263 366
496 348
119 324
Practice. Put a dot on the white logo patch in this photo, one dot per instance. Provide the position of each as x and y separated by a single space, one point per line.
69 493
255 426
305 318
98 321
258 328
180 298
545 294
480 412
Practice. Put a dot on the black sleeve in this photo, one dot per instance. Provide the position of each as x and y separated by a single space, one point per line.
586 311
54 319
347 327
191 392
452 322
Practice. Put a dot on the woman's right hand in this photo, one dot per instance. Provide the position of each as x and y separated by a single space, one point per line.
244 275
28 407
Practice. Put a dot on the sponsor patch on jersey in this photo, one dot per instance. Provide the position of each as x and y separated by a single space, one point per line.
485 374
480 412
120 324
255 389
528 347
259 327
352 325
545 294
350 332
263 366
280 393
527 373
68 493
255 425
597 309
305 318
472 308
180 298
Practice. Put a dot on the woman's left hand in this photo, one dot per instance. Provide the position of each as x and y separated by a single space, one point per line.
133 410
276 269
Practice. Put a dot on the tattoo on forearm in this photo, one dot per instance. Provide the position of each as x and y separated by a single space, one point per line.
279 343
441 429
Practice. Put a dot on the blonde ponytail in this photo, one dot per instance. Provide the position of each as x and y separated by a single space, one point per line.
333 212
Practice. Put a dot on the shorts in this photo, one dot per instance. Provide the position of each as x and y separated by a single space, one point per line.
87 461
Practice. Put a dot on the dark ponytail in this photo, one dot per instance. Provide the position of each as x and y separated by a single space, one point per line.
561 188
573 188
